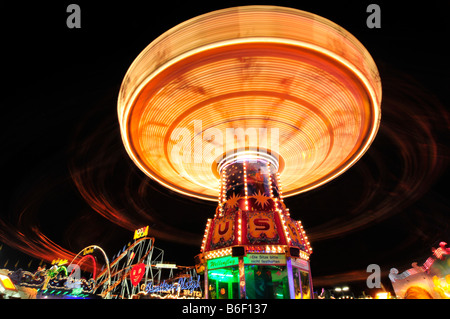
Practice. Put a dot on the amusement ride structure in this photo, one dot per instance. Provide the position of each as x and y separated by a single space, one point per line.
90 274
119 279
224 106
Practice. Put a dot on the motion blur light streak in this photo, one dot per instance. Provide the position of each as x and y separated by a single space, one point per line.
113 188
23 229
413 120
33 242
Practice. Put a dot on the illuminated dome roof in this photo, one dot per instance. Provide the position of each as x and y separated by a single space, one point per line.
307 81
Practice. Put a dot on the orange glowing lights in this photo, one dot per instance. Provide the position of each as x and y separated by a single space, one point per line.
249 78
7 283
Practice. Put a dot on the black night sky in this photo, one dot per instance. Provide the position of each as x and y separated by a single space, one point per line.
67 181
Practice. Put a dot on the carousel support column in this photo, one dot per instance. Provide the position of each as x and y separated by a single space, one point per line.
242 294
310 282
290 278
206 284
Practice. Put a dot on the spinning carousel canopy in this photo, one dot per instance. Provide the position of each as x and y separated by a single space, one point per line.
276 80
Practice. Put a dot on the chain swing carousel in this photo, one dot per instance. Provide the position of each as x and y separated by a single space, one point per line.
224 106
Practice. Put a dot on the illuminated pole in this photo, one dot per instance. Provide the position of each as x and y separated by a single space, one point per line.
290 278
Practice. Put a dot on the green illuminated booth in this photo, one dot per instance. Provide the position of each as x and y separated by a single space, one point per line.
252 248
266 276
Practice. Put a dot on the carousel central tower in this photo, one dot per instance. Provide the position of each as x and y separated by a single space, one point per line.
306 83
252 248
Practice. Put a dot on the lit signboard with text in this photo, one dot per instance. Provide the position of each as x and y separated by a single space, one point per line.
141 232
265 259
222 262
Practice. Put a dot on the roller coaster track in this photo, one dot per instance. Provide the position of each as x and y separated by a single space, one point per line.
122 273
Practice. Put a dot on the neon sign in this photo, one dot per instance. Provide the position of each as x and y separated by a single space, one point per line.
222 262
262 259
141 232
137 272
59 262
88 250
182 284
